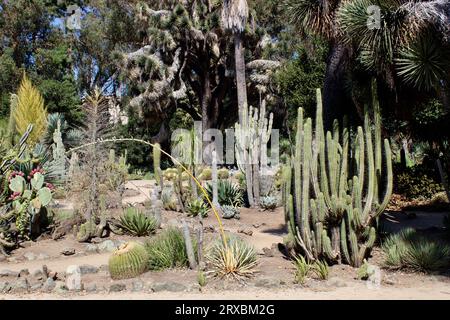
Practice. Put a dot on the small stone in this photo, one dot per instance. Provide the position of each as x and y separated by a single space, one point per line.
73 278
88 269
256 225
117 287
168 286
5 287
53 275
107 246
39 274
247 232
20 286
268 252
137 286
36 287
23 273
91 248
91 287
68 251
49 285
30 256
9 273
267 283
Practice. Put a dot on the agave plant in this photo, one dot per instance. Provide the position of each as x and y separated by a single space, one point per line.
134 222
229 193
197 207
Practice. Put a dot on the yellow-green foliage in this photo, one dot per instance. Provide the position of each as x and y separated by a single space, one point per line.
30 110
129 261
223 173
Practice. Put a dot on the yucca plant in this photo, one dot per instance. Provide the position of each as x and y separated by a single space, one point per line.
229 193
232 257
136 223
167 250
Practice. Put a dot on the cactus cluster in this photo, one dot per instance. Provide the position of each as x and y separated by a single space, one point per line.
337 187
269 203
230 212
129 261
252 136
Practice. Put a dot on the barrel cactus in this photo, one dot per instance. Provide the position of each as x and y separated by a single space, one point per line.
129 261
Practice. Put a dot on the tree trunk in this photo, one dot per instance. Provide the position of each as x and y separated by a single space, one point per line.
241 83
335 102
206 101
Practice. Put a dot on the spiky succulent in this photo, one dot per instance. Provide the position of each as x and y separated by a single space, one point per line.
268 203
197 207
129 261
136 223
229 193
230 212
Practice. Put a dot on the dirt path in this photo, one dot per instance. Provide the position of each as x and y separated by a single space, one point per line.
434 292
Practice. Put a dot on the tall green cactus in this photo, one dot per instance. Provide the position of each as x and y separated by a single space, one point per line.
333 190
252 136
157 163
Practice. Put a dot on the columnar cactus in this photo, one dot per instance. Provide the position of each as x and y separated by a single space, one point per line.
333 191
252 136
157 164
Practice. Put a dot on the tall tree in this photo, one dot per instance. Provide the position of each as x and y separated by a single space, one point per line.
234 17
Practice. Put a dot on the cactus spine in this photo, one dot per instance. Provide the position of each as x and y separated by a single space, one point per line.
129 261
333 190
252 136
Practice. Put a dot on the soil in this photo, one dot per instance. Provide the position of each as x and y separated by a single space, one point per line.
274 278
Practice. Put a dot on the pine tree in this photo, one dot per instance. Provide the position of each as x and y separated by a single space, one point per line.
30 110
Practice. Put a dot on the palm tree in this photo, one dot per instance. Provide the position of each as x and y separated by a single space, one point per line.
318 17
234 17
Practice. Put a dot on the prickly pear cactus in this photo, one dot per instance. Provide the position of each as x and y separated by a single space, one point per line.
129 261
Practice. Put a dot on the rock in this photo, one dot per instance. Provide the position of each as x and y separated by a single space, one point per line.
137 286
9 273
30 256
23 273
390 280
256 225
268 252
36 287
49 285
168 286
68 251
267 283
20 286
91 248
2 258
54 275
107 246
88 269
117 287
12 259
60 287
247 232
336 282
73 278
91 287
5 287
39 274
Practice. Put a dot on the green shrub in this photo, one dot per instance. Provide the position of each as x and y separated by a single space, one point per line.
408 250
417 182
236 259
229 193
196 207
223 173
167 250
321 269
135 223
